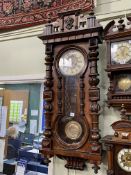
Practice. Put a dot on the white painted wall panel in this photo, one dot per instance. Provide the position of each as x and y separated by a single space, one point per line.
22 57
110 8
99 2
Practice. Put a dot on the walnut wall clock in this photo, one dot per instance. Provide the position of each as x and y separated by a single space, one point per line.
71 90
118 40
118 147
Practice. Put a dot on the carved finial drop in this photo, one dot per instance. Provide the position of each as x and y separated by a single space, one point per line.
46 160
121 25
95 168
123 113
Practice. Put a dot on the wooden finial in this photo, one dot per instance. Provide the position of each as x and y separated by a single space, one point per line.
91 20
49 26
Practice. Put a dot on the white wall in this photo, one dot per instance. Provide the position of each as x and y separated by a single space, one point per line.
112 8
22 57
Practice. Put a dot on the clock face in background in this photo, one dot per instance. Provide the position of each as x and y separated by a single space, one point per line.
71 62
121 52
124 159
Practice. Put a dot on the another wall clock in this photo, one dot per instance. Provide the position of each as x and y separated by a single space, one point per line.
118 40
118 147
71 90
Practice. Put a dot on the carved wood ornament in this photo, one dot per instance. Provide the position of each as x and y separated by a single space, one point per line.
71 90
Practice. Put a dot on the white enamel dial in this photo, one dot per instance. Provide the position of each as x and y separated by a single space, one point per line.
124 159
71 62
121 52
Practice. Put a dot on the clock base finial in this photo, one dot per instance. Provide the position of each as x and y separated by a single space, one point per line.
96 168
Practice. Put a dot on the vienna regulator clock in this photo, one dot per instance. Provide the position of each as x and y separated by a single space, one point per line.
118 39
71 90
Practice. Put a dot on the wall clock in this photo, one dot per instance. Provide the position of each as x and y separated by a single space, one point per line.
118 147
71 90
118 43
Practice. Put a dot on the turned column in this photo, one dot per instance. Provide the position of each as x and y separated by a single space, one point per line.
94 94
48 97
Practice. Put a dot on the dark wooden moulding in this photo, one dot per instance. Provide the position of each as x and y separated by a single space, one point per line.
72 31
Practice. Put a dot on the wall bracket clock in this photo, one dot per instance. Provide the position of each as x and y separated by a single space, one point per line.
71 90
119 147
118 40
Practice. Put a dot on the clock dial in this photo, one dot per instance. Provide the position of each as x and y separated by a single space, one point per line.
73 130
121 52
71 62
124 159
123 83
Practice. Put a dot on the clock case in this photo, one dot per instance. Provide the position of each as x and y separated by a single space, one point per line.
117 96
115 143
118 32
84 34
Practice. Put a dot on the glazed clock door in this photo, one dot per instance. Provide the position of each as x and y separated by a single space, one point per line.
72 128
